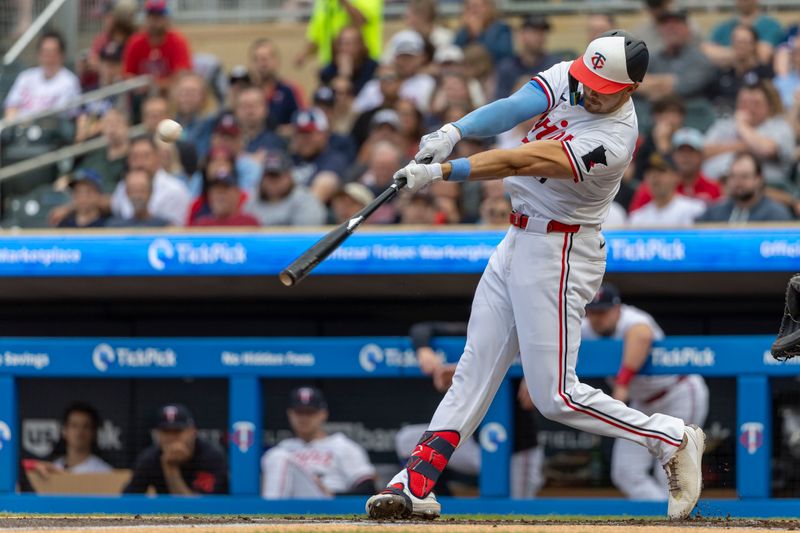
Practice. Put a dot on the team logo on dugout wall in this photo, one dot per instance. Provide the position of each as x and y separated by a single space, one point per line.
752 436
243 435
370 357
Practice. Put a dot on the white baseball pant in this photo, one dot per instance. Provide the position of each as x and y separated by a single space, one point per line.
531 300
284 478
631 464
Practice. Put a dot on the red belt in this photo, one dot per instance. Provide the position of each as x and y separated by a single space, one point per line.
521 221
664 392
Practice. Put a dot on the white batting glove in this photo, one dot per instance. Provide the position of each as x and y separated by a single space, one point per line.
436 147
417 176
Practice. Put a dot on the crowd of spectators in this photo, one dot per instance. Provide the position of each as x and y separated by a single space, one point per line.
719 115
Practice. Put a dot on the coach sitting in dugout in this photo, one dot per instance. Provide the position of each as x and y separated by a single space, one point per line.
314 464
179 462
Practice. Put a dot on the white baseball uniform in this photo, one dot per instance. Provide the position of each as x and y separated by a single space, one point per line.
317 469
685 397
532 295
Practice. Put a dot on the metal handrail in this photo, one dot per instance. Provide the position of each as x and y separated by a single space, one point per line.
92 96
52 158
37 25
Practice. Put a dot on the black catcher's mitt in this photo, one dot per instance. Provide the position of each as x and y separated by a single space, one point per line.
787 345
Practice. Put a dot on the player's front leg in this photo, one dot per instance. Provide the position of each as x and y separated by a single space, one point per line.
490 349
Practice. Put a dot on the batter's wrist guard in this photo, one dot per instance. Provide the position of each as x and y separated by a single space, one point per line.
429 458
624 376
787 345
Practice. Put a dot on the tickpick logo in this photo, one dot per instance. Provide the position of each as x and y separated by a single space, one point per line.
243 435
492 435
5 433
102 356
160 248
370 356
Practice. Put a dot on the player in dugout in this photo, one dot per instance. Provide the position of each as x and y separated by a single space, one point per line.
314 464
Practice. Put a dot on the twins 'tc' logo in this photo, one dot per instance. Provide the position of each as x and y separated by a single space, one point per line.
243 435
598 60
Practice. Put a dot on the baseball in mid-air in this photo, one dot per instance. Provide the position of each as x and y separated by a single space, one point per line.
169 131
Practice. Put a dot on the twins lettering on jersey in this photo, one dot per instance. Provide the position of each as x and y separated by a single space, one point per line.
544 129
316 461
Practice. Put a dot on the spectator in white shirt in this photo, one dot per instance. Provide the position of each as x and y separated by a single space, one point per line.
44 87
667 209
170 199
417 86
79 435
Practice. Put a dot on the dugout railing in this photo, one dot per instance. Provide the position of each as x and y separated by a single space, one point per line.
245 362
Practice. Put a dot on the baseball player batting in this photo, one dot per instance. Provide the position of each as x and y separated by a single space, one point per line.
685 397
531 297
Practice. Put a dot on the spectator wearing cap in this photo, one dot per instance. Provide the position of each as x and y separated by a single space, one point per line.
45 86
532 55
238 79
350 61
667 208
192 103
279 201
745 200
224 202
170 198
251 114
329 18
139 189
110 162
770 34
317 164
228 135
385 127
422 17
179 463
388 83
757 126
680 67
338 111
158 49
480 24
649 32
283 97
687 155
314 464
746 69
415 85
220 160
86 187
349 200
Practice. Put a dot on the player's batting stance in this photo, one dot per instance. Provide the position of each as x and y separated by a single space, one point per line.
532 295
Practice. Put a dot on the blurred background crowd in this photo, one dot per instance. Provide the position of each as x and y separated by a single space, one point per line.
719 113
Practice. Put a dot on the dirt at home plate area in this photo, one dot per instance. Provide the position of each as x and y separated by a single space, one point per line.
203 524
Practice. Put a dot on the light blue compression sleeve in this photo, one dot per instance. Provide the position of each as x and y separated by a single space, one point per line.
502 115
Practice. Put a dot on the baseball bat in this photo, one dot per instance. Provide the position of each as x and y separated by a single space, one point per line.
303 265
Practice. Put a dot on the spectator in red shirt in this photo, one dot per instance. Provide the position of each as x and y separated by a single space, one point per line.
158 50
687 155
224 200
